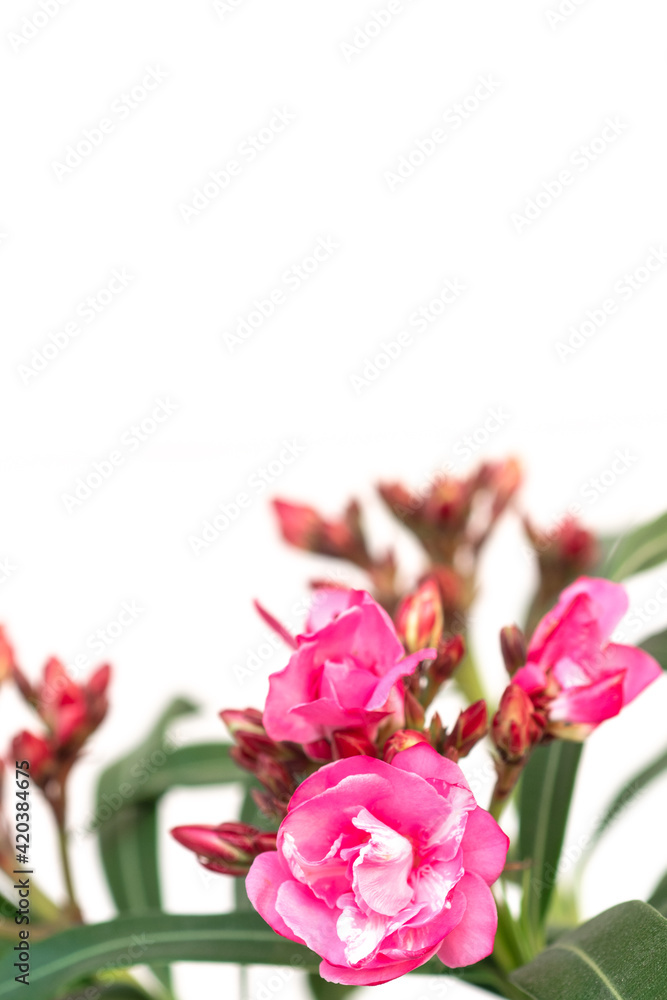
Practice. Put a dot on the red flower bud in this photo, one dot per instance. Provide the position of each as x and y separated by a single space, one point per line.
7 658
319 750
38 752
419 620
351 744
567 547
403 740
515 728
471 726
514 648
450 654
305 528
71 711
248 721
229 848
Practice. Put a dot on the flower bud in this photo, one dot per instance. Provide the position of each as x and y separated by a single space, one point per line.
402 740
471 726
515 728
7 658
450 654
419 620
275 777
305 528
39 754
229 848
513 647
414 712
71 711
353 744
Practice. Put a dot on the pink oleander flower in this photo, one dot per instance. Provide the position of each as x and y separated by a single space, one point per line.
573 672
380 866
346 672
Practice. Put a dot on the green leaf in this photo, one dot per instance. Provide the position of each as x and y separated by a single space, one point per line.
198 764
658 898
101 991
128 837
629 791
656 646
150 939
637 550
544 803
322 990
126 779
620 955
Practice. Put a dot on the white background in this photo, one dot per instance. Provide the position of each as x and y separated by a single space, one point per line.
355 113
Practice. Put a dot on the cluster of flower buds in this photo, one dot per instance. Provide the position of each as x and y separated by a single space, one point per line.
305 528
471 726
454 513
564 552
344 538
516 726
228 849
568 549
278 766
70 712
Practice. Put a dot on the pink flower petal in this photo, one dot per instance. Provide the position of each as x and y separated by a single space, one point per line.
372 976
574 631
274 624
328 603
472 939
608 602
423 760
590 704
640 668
311 920
403 668
531 678
331 774
484 846
267 873
380 872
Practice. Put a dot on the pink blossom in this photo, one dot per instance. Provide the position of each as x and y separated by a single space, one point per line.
573 672
345 672
381 866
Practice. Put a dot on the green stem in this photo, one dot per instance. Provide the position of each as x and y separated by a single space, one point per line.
72 904
468 679
58 802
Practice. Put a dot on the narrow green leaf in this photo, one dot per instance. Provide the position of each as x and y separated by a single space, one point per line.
545 794
658 898
656 646
198 764
620 955
150 939
128 846
127 823
125 780
629 791
637 550
100 991
322 990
